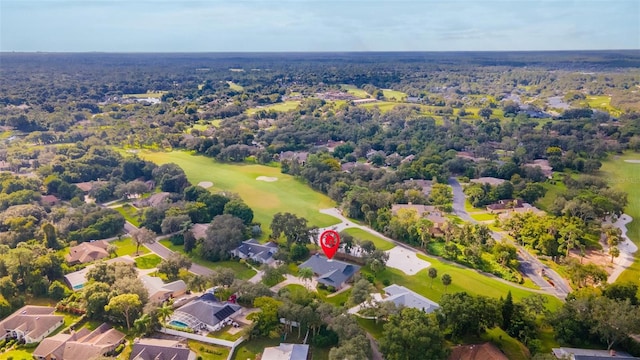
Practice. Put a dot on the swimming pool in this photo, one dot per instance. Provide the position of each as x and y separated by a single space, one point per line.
177 323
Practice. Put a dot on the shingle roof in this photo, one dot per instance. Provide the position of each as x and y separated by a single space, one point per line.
286 352
82 345
331 273
88 251
400 295
252 247
157 349
33 321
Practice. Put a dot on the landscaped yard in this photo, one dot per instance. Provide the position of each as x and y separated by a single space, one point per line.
554 187
148 261
483 217
130 214
625 176
394 95
463 279
287 194
208 351
250 349
363 235
242 271
371 327
126 246
355 91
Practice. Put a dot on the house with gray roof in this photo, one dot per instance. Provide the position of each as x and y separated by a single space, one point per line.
30 323
161 349
252 249
286 352
330 272
589 354
401 296
204 313
77 279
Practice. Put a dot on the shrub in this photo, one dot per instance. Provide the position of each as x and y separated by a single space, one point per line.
386 282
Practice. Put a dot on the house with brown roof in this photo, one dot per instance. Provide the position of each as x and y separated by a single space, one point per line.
161 349
424 185
87 252
30 323
81 345
488 180
154 200
49 200
428 212
504 205
299 156
486 351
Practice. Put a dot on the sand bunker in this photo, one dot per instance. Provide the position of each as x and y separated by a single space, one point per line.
633 161
267 178
205 184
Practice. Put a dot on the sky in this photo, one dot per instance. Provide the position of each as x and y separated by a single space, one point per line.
317 25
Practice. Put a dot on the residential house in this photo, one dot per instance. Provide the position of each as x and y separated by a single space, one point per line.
428 212
159 291
424 185
525 208
199 230
488 180
350 166
87 252
77 279
505 205
49 200
589 354
330 272
401 296
543 164
161 349
486 351
286 352
81 345
204 313
364 101
300 157
252 249
87 186
154 200
30 323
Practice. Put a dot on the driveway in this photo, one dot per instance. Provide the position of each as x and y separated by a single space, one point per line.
530 265
406 261
290 279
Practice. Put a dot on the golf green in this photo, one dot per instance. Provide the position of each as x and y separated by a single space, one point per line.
274 192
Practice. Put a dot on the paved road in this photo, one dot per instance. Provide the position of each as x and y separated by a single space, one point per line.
346 223
164 252
530 265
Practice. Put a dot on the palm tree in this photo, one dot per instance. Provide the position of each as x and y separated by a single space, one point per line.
614 252
164 312
305 274
143 324
446 281
423 230
433 273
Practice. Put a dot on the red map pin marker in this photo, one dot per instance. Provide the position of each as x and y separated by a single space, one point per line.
329 241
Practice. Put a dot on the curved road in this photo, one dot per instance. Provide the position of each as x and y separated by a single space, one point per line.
530 265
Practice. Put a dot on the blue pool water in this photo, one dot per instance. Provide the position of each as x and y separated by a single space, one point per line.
178 324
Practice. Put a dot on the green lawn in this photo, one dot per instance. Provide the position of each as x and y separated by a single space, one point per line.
156 94
252 348
279 107
470 208
148 261
126 246
512 348
384 106
130 214
234 86
15 354
287 194
626 176
242 271
483 217
554 188
208 351
371 327
355 91
361 235
602 102
394 95
463 279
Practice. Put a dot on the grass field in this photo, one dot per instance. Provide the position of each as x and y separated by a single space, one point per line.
512 348
126 246
553 191
15 354
355 91
148 261
130 214
483 217
287 194
626 176
242 271
363 235
394 95
208 351
234 86
463 279
154 94
279 107
601 102
384 106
